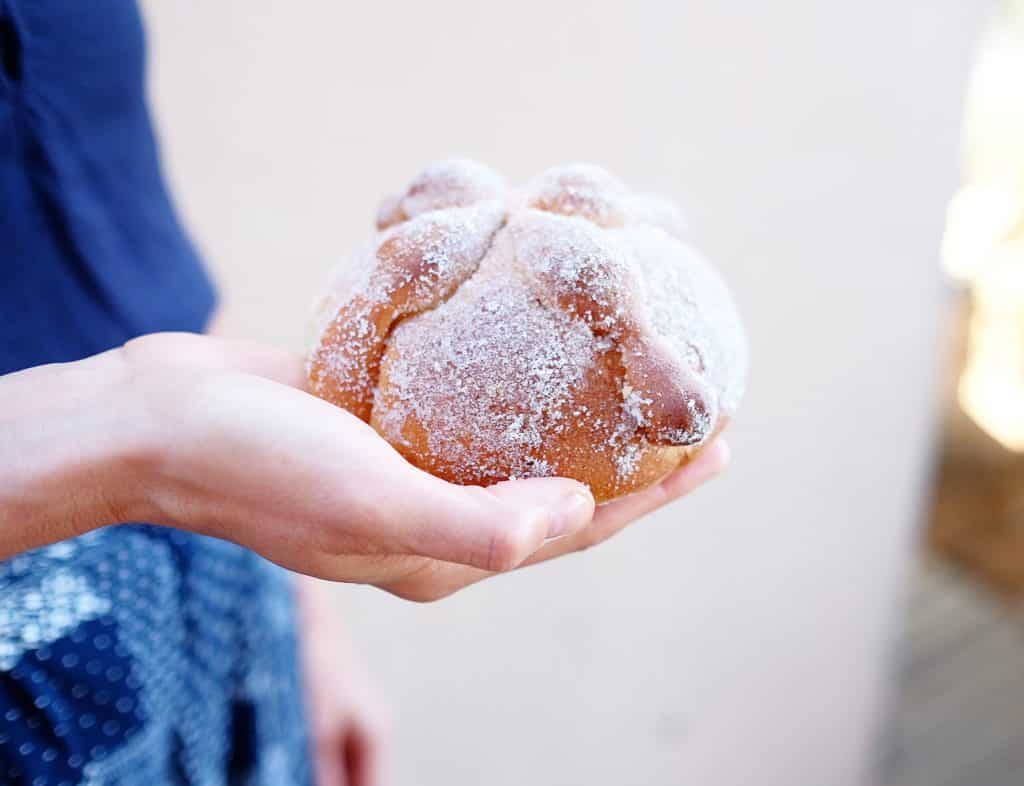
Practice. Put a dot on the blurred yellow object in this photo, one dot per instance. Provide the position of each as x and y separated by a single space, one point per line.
991 387
981 216
984 241
994 122
990 207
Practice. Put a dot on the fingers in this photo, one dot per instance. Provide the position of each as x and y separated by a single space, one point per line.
708 463
430 580
614 516
349 755
363 760
329 761
494 529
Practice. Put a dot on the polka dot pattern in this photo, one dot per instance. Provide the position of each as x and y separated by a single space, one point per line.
140 655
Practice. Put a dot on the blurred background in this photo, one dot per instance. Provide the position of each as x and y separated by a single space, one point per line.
842 607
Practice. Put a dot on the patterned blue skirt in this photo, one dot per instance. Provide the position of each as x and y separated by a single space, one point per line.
140 655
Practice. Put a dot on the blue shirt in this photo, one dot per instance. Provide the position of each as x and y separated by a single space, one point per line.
135 654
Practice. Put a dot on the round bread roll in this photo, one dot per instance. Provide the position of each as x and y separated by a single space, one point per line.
562 328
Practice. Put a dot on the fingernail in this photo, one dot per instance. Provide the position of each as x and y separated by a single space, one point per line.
570 514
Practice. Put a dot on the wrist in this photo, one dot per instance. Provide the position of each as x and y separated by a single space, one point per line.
75 447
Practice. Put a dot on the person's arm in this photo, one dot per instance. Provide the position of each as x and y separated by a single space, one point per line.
74 448
348 725
218 437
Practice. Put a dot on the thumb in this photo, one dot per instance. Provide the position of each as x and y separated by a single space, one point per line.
494 528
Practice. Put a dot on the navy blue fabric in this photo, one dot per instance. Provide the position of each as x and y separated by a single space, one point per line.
91 249
136 654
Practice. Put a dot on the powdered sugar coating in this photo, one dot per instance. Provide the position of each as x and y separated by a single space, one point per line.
492 372
453 182
411 267
563 328
689 306
657 211
582 190
576 266
341 283
424 258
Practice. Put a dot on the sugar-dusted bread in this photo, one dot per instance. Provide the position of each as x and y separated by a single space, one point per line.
562 328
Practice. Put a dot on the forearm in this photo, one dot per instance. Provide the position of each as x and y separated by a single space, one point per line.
70 451
316 603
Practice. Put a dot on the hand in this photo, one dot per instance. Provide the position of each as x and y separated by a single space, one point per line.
428 580
346 722
218 437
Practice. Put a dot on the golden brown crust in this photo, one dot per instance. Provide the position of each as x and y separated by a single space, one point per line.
564 329
416 265
569 453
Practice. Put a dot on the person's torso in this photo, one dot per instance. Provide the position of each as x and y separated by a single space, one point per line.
135 654
91 251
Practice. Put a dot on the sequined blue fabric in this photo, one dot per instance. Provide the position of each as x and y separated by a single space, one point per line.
135 655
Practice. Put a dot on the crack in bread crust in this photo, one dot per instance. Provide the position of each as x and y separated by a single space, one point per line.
419 264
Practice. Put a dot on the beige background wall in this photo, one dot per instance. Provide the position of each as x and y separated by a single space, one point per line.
736 638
